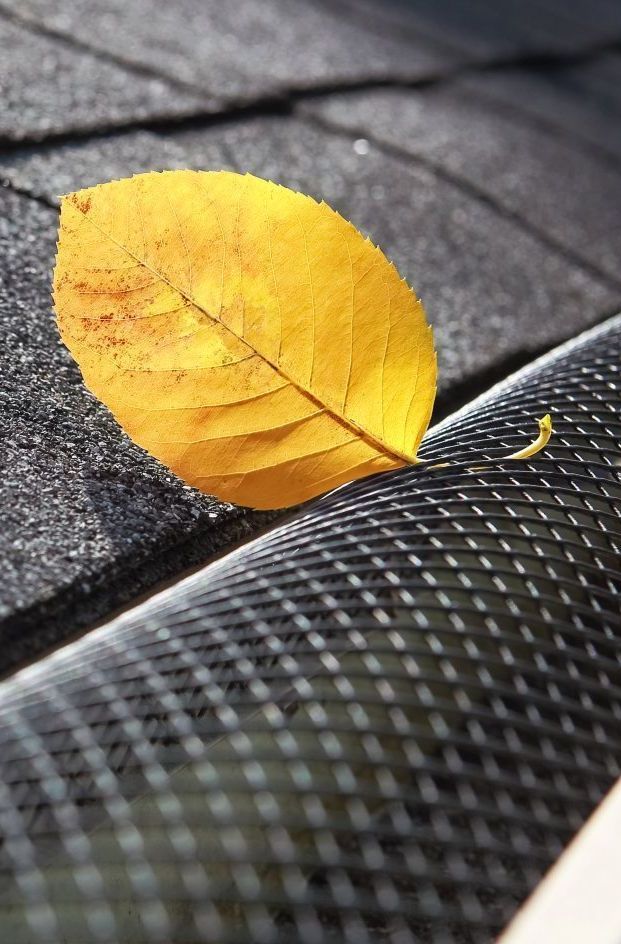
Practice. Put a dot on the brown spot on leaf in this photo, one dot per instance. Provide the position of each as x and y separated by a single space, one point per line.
82 203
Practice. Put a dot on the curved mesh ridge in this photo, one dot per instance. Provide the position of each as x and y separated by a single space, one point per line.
381 722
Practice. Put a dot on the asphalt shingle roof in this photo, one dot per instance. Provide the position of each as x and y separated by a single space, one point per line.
49 87
493 182
506 158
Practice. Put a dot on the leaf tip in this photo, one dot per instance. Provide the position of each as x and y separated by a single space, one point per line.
545 425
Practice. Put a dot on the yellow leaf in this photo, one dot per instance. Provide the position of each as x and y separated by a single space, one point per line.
248 337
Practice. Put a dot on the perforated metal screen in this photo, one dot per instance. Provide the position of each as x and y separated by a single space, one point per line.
381 722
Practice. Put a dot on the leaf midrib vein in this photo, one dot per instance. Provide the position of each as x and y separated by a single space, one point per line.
377 443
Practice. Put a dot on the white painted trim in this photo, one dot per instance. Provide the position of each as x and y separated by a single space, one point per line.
579 900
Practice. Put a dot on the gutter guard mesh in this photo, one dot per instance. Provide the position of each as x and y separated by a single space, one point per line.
380 722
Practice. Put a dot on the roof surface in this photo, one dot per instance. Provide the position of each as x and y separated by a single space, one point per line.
481 150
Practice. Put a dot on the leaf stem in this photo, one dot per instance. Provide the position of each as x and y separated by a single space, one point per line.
542 440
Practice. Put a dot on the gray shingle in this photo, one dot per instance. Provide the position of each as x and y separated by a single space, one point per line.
88 519
584 102
241 50
468 262
496 28
45 86
244 49
563 191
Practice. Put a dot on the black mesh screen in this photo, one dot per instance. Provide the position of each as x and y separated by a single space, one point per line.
381 722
